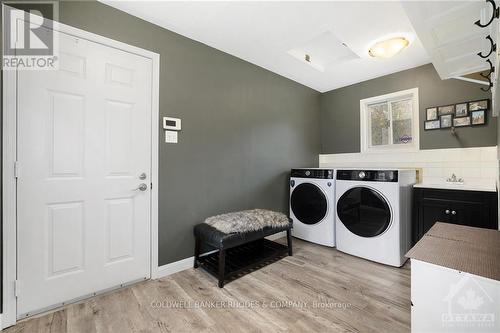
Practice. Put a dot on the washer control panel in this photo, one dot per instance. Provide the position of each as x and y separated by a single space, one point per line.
312 173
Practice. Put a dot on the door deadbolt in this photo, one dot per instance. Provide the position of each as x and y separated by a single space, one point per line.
142 176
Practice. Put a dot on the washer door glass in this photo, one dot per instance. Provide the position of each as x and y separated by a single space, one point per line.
364 212
308 203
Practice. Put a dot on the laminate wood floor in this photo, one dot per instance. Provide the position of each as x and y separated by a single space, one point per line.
319 289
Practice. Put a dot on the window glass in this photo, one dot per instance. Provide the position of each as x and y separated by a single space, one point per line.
402 122
379 124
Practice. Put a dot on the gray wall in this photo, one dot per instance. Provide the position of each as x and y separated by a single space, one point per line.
340 132
243 126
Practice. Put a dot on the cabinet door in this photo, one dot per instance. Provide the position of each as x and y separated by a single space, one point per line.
434 211
474 214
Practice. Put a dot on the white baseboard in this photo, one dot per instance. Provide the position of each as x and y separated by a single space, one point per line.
187 263
174 267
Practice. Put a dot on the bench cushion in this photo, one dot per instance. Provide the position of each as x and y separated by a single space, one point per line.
247 221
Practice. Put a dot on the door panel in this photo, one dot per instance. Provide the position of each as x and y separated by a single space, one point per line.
84 137
65 242
119 145
120 230
66 134
435 211
472 214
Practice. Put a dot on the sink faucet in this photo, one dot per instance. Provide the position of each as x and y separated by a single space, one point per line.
453 179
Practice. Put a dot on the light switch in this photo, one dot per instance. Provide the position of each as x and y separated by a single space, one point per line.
171 136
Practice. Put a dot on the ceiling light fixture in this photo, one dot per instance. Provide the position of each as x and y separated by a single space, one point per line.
388 48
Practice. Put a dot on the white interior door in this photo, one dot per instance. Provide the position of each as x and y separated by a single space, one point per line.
84 140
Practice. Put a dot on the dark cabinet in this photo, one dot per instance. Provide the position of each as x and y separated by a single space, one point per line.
471 208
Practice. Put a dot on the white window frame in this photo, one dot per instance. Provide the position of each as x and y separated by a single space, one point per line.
365 128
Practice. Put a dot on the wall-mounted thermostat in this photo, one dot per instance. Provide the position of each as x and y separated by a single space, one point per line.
172 124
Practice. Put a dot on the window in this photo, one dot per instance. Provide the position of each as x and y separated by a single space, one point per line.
390 122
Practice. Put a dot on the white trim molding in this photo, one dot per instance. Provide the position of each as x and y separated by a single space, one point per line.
365 129
155 161
467 79
9 157
9 195
175 267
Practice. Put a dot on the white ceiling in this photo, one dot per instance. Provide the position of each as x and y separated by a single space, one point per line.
270 34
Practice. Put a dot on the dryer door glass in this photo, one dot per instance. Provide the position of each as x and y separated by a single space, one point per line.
364 212
308 203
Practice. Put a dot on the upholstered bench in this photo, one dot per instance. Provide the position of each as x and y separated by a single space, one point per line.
240 240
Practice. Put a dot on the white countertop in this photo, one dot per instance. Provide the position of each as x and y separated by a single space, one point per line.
464 187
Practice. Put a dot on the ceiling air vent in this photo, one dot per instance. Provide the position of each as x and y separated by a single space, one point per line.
322 51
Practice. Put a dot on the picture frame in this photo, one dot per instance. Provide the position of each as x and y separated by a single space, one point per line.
478 117
461 110
461 121
432 125
431 113
482 104
446 109
462 114
446 121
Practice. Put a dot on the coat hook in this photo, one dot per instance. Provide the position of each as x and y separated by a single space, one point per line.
487 76
489 86
495 14
493 47
491 70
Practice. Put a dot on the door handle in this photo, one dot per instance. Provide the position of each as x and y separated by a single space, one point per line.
447 211
142 187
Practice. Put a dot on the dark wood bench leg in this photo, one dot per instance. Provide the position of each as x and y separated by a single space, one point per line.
222 267
289 242
197 245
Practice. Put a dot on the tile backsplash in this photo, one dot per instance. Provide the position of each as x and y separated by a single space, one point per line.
475 165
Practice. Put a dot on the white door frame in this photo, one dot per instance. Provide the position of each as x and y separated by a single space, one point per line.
9 193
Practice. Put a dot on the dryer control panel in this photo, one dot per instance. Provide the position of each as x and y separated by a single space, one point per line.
368 175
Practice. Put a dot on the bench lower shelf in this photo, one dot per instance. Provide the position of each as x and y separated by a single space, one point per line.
242 259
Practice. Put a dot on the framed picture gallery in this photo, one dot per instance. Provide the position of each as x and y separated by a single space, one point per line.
471 113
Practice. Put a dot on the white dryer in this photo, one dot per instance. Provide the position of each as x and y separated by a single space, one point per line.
312 205
373 219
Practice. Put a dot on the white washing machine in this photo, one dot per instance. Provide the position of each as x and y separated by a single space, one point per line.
312 205
373 219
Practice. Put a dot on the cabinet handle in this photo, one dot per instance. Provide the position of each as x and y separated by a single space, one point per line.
453 212
447 211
